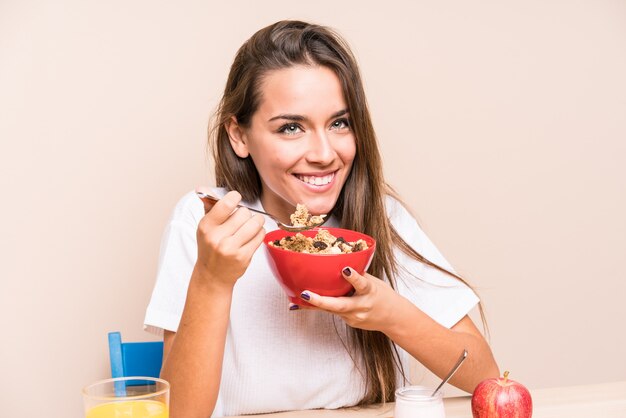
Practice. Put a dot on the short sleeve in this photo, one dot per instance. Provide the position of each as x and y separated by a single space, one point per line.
177 257
441 296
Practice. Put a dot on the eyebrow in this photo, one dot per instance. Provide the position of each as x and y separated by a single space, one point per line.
300 118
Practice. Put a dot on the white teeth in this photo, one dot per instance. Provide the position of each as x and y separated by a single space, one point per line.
317 181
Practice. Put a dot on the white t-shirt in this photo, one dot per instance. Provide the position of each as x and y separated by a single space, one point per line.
276 359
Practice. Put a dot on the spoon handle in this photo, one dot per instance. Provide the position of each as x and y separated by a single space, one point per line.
215 200
454 369
281 225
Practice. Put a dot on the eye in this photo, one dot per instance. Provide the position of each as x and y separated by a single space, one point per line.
340 124
290 129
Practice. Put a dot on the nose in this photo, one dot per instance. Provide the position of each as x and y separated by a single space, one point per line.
321 150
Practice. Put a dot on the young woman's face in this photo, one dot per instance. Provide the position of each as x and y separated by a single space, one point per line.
300 140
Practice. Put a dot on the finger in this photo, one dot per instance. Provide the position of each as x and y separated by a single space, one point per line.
333 304
248 229
253 244
207 203
296 307
248 249
238 219
360 283
224 208
243 249
227 227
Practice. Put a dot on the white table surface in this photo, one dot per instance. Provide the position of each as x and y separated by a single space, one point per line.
604 400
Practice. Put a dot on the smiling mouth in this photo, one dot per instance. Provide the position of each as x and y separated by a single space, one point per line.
316 180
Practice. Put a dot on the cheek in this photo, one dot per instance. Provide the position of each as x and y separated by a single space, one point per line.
272 160
284 156
347 151
264 151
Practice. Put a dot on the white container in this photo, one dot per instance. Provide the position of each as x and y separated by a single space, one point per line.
417 402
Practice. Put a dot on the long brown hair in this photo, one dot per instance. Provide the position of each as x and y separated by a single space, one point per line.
361 204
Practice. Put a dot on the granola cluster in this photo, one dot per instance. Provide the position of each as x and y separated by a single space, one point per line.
302 217
323 243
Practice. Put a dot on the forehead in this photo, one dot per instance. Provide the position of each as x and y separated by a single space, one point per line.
303 90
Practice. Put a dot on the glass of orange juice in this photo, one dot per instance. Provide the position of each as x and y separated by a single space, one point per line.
127 397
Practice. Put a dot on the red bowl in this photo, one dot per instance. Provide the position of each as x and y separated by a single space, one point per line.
319 273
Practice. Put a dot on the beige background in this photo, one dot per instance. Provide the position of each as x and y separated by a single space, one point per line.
503 124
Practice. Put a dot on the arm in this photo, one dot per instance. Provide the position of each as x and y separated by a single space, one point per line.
376 306
192 357
412 327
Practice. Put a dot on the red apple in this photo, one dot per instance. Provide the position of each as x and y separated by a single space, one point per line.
501 398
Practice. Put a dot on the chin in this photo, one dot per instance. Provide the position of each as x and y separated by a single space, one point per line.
321 207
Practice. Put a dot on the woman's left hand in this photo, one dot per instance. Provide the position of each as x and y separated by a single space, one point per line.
375 306
371 307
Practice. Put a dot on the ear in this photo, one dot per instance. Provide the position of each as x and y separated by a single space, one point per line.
237 136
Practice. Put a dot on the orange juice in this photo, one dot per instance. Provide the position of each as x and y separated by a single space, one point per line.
129 409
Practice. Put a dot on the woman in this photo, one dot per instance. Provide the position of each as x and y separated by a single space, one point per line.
293 127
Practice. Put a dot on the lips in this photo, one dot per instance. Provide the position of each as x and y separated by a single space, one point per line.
316 180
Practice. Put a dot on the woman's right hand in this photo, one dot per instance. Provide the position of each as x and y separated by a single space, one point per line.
227 238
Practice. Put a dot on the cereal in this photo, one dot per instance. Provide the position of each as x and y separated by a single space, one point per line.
323 243
302 217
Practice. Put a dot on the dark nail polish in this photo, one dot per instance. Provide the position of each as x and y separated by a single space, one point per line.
347 272
294 307
305 296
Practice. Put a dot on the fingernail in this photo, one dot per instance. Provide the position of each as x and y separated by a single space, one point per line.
305 296
346 271
293 307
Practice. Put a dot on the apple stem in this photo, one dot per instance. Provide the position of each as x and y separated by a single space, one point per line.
506 375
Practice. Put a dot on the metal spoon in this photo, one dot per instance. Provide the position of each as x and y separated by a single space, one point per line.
454 369
290 228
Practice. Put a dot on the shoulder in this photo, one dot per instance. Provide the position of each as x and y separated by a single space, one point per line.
396 210
411 232
401 219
